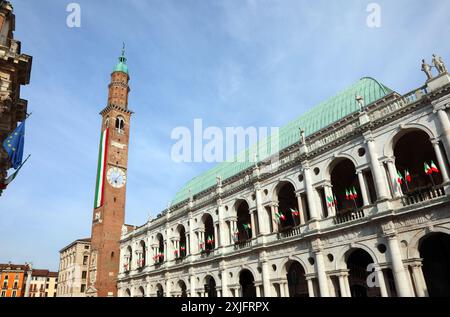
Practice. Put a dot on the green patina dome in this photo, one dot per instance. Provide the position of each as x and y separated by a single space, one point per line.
122 65
316 119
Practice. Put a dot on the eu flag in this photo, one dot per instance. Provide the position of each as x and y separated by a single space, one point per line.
14 144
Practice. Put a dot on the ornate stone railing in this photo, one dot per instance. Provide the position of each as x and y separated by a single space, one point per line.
243 245
397 104
423 195
292 232
349 216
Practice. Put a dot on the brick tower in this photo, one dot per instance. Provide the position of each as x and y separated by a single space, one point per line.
109 205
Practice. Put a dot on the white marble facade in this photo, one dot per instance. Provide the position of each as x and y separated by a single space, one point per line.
389 228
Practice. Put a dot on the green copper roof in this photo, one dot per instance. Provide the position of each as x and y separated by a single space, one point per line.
319 117
122 65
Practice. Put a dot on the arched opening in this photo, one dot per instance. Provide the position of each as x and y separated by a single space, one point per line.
128 259
412 150
244 221
182 289
159 258
141 262
435 251
345 186
210 286
120 124
159 290
141 292
181 248
358 262
288 209
298 287
247 282
210 241
127 293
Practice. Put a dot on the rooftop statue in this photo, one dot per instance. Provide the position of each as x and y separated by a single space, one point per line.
427 69
439 64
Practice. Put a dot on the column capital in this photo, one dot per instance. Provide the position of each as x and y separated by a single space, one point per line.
389 230
305 166
263 257
390 160
441 104
368 137
435 141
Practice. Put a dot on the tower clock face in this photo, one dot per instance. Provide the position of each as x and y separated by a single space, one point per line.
116 177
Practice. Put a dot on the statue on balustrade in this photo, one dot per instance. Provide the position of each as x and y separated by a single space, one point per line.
439 64
426 68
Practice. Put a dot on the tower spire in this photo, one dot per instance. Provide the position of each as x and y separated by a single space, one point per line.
122 58
122 65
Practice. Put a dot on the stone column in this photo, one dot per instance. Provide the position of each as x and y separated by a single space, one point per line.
224 272
286 289
445 128
28 282
393 175
168 286
362 185
329 193
265 274
342 286
192 282
216 235
281 290
398 269
419 281
381 281
313 210
260 212
274 220
441 161
222 225
230 232
191 235
378 176
320 268
347 285
252 220
300 209
188 244
258 291
310 287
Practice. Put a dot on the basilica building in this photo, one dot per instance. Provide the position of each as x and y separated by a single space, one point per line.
357 204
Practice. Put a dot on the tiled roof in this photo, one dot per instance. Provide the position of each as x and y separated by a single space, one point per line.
316 119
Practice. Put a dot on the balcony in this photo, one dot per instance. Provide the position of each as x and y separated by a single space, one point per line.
423 195
289 232
349 216
244 244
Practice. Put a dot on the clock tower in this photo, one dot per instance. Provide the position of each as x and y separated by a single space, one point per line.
110 192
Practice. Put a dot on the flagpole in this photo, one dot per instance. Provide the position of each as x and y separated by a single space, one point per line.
432 180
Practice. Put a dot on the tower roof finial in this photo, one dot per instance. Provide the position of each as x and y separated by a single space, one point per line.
122 65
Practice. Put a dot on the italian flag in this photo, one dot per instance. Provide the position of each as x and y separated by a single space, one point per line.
434 167
408 176
101 170
351 194
399 178
428 169
280 216
210 240
295 213
247 226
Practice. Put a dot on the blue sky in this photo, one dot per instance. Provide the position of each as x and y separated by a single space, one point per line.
229 62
